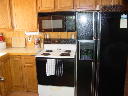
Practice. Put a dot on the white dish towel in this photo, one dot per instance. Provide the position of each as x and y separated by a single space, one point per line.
50 67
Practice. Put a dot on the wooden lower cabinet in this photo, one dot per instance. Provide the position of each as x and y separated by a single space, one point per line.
5 84
23 73
17 73
29 73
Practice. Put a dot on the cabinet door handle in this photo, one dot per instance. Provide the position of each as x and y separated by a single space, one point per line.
28 65
2 78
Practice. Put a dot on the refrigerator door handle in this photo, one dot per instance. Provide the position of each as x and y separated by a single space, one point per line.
93 77
79 50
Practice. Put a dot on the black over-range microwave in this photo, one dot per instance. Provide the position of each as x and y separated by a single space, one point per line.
57 22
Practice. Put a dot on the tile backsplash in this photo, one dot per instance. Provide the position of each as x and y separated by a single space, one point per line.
30 39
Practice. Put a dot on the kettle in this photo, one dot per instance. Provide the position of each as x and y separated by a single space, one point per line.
1 37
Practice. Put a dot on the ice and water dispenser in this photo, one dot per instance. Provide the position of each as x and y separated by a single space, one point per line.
86 49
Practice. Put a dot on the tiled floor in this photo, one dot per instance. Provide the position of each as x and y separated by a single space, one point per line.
55 90
23 94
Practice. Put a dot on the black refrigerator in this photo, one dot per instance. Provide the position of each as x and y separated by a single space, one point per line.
102 49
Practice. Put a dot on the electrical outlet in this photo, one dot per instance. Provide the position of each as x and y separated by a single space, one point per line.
31 33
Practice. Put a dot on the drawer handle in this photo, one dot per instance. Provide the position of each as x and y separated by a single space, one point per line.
2 78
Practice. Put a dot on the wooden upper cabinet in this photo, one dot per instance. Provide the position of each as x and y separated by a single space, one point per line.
5 18
86 4
24 15
46 5
117 2
64 5
55 5
111 2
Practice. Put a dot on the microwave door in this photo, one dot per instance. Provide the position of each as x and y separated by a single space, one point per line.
58 23
45 24
53 23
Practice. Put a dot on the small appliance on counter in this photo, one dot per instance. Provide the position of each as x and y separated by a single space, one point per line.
2 45
37 43
1 37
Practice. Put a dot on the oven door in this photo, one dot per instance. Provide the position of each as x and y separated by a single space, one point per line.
64 72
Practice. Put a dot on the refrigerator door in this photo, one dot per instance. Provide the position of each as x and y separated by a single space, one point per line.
86 23
113 54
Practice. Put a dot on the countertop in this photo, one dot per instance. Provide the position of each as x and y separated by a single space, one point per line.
20 51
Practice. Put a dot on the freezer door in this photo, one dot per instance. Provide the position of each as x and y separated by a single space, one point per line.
85 67
84 78
87 24
84 24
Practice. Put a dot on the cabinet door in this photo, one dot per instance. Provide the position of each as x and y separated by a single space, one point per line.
30 78
64 5
111 2
7 74
85 4
5 20
2 87
17 73
24 15
5 82
46 5
117 2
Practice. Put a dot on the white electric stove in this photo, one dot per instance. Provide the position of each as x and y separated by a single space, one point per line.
55 51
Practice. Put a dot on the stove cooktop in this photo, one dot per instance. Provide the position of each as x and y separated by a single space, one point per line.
49 50
56 54
68 51
45 54
64 54
58 51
